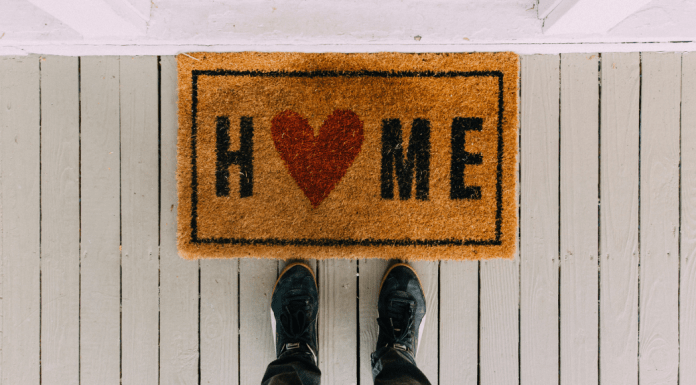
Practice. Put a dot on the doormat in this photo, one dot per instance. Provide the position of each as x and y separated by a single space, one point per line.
387 155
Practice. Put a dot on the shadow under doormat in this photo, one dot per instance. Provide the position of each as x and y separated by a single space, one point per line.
387 155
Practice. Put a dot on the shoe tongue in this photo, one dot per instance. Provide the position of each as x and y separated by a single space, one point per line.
296 315
399 308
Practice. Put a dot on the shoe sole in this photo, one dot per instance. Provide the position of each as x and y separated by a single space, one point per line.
384 278
290 266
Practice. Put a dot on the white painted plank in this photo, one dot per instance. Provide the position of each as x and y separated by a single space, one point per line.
337 321
257 343
139 220
1 238
499 327
659 218
178 276
579 218
219 322
370 276
100 222
20 126
619 219
539 220
459 322
687 291
427 355
60 221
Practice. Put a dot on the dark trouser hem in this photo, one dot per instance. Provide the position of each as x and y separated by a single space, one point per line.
394 367
292 369
389 367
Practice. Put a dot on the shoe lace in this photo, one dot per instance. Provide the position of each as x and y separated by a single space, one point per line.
296 321
399 324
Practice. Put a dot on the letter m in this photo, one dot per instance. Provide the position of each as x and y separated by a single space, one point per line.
416 160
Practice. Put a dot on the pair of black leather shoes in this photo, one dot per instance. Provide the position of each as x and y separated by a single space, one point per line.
295 303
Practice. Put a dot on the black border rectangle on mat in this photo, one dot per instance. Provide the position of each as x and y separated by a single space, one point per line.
346 242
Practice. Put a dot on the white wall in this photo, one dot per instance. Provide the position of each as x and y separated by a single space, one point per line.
345 25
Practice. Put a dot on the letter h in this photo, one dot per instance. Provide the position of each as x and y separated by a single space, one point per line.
226 158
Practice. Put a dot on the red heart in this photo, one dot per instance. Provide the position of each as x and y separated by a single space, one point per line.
317 163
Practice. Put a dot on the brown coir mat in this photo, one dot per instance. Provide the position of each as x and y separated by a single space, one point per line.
388 155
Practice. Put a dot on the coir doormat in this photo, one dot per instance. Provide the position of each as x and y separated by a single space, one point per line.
293 155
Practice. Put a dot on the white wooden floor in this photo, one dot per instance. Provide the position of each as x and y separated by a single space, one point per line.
603 289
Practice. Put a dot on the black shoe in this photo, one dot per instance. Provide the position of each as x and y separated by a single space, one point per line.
294 308
401 307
